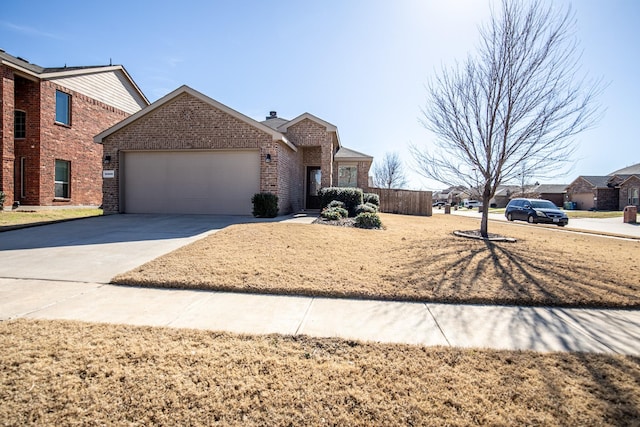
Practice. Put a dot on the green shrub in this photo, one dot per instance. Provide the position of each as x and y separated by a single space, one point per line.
265 205
334 213
2 197
368 220
366 208
351 197
373 206
336 204
372 198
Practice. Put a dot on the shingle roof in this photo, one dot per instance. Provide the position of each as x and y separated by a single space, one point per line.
20 62
348 154
551 188
274 123
597 181
506 190
25 67
62 69
629 170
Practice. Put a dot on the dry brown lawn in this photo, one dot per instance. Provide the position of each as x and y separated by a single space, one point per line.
13 219
72 373
414 258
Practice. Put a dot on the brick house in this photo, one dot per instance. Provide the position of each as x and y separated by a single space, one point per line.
611 192
49 117
188 153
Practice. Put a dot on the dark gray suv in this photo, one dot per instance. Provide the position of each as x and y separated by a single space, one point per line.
535 211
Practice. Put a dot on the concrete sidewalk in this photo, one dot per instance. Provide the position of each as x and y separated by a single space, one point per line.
498 327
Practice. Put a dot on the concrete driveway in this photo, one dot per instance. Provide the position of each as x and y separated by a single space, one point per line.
97 249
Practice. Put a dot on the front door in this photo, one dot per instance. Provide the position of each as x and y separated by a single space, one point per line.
314 176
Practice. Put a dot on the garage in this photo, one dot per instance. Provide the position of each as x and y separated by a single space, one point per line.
584 201
219 182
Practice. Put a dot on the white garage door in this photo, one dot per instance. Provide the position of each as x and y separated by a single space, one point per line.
191 182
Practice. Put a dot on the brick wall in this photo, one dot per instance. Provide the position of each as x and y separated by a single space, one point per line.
27 99
308 133
580 185
633 182
186 123
290 179
46 141
607 199
75 144
362 179
6 133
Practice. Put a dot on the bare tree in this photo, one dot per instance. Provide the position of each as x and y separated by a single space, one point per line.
389 173
513 108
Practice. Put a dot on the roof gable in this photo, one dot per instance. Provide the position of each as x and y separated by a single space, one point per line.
628 179
277 136
596 181
346 154
34 72
301 117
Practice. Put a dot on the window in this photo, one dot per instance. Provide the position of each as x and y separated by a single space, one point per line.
19 124
634 196
63 108
347 176
62 179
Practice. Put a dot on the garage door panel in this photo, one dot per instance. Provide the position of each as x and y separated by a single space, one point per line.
584 201
198 182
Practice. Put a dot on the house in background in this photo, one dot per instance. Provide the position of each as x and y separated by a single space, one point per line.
610 192
188 153
504 193
555 193
49 117
627 182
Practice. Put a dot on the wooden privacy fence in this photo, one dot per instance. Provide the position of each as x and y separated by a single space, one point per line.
405 202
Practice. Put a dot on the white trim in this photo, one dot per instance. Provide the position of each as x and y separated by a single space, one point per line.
57 74
19 68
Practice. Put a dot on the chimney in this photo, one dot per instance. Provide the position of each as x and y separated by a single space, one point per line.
272 115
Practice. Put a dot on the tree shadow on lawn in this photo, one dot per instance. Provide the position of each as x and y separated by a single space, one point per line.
484 272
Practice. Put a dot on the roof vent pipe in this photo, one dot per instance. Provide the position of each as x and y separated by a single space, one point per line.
272 115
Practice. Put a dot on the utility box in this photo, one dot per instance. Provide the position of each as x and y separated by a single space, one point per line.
447 208
630 214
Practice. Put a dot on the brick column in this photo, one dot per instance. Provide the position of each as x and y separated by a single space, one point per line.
7 155
327 165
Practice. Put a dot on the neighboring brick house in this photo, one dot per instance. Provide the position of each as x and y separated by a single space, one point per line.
49 117
555 193
188 153
611 192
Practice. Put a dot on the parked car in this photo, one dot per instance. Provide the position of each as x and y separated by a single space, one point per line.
470 204
535 211
438 204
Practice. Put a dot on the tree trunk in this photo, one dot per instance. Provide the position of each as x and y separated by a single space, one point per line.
484 222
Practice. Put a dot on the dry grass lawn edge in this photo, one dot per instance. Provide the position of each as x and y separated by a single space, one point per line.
62 372
413 259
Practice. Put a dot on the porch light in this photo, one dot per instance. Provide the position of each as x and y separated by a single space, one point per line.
267 159
107 159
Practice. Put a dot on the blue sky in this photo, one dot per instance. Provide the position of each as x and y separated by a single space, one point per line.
359 64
